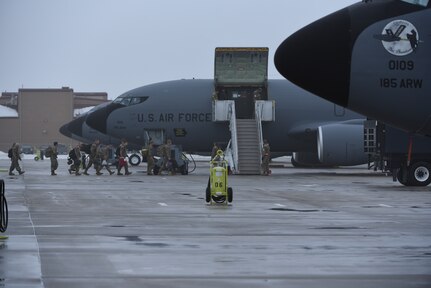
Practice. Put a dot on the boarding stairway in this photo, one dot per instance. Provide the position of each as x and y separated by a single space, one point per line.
244 151
249 151
241 98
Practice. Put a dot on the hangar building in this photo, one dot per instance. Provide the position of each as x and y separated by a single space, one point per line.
39 114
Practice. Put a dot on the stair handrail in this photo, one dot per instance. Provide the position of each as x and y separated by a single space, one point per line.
234 137
258 111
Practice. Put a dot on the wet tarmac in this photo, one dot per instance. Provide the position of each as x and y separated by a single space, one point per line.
345 227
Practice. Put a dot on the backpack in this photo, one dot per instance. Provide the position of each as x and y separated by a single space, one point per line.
72 154
9 153
86 148
48 152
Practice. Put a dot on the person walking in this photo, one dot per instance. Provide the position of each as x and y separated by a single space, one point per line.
122 162
166 156
266 157
75 155
93 155
14 153
150 158
52 153
103 155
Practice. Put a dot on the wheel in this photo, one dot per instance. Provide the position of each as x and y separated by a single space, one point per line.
208 195
229 194
419 174
4 213
402 176
134 160
219 199
36 158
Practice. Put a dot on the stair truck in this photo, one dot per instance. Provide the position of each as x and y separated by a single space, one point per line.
407 157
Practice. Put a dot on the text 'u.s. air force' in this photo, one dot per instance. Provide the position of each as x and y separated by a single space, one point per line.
174 117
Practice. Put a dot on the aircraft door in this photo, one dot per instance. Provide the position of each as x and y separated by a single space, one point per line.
243 105
156 135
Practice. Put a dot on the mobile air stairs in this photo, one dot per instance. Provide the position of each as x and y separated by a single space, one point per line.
241 98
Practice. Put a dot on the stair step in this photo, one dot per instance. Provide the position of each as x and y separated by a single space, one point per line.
248 147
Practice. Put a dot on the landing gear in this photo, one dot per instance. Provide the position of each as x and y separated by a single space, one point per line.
417 174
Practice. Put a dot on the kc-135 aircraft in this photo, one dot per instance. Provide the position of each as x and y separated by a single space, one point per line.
318 131
372 57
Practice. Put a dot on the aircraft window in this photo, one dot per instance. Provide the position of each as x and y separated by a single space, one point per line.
137 100
118 100
417 2
125 101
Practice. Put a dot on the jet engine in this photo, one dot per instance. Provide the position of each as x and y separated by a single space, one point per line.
306 160
341 144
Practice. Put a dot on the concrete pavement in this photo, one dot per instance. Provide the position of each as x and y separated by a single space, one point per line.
345 227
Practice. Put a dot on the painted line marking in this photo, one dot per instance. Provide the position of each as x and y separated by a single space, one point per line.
162 204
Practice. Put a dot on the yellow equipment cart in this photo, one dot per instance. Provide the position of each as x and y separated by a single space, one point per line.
217 190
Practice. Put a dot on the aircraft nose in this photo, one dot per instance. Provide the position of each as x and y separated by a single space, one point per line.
97 119
317 57
74 127
65 131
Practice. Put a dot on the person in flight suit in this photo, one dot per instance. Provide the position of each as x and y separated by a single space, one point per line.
53 157
122 162
15 157
76 157
266 157
103 156
150 158
166 156
93 154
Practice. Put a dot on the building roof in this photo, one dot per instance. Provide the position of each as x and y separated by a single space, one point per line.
6 112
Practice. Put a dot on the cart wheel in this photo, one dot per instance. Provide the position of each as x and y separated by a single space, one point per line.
208 195
229 194
36 158
219 199
134 160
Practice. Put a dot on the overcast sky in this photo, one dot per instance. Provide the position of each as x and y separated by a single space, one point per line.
117 45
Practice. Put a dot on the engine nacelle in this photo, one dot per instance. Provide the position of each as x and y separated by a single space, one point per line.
306 160
341 144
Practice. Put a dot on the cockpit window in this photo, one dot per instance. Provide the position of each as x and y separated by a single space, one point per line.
128 101
137 100
423 3
125 101
118 100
